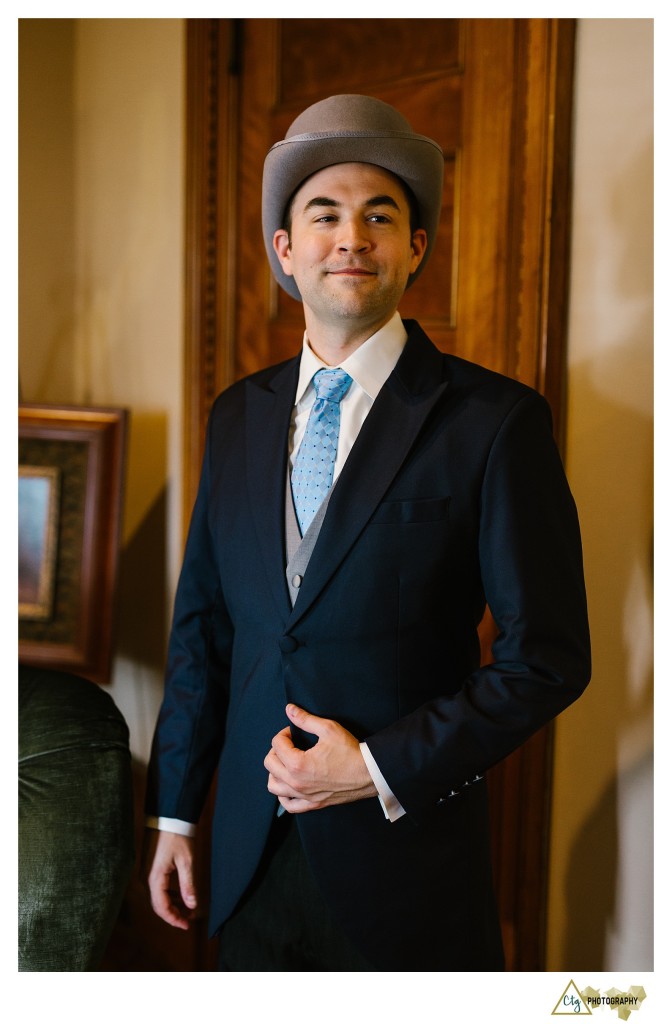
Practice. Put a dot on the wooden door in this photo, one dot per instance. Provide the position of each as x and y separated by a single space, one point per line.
496 94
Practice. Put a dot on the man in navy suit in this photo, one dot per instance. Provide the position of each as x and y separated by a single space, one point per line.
358 507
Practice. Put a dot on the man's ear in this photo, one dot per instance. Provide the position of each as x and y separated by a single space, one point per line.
418 247
283 249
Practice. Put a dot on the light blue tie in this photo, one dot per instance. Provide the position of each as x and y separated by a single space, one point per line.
313 471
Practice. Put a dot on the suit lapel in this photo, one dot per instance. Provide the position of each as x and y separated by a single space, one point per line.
388 433
268 413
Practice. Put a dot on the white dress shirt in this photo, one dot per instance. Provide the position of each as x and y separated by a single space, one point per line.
369 366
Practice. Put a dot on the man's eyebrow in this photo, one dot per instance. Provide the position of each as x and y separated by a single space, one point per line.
382 201
322 201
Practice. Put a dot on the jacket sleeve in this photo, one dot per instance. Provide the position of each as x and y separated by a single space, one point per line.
190 727
532 573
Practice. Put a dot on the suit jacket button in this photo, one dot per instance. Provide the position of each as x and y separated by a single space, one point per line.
288 644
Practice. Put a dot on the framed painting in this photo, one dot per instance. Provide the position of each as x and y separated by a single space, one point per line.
71 477
38 530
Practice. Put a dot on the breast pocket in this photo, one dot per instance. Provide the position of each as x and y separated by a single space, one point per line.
424 510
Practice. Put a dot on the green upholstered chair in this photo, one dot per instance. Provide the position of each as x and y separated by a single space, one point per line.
75 820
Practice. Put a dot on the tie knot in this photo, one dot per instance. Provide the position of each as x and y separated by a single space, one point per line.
331 385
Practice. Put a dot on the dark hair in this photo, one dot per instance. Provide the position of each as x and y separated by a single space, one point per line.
413 208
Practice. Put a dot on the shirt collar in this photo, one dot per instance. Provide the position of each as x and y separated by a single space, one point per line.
369 366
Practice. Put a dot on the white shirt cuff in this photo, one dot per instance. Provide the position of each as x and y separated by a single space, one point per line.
180 828
388 801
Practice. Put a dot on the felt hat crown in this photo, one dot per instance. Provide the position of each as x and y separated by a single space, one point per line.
350 129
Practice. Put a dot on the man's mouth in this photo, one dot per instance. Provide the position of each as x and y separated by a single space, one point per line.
352 272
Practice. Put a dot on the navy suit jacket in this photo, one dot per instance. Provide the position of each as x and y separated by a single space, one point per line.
453 495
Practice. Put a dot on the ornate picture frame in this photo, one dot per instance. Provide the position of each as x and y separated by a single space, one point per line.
71 477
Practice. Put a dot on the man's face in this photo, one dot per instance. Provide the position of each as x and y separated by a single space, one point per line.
350 247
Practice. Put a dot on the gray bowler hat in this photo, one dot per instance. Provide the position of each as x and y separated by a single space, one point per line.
350 129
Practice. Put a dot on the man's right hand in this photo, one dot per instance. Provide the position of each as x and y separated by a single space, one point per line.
169 859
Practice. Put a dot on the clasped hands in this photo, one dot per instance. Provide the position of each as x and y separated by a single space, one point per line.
331 772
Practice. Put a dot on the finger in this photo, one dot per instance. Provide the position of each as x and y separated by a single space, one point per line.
165 905
282 742
187 886
309 723
299 805
274 765
281 788
283 752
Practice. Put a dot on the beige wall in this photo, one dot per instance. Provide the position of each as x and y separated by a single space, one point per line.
601 913
101 297
101 320
46 209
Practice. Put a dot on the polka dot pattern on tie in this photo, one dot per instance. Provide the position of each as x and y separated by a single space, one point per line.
313 471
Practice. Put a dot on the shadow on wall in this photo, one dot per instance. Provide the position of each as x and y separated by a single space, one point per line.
610 916
612 475
142 595
609 736
142 632
611 725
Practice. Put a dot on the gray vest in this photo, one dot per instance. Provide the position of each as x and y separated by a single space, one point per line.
299 549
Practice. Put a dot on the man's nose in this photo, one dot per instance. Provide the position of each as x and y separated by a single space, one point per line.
353 237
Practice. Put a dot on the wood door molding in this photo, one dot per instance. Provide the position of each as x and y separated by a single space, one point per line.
515 223
541 204
537 295
210 231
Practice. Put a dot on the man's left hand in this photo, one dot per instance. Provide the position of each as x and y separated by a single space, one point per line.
331 772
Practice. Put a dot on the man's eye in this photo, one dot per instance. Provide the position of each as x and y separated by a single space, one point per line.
379 218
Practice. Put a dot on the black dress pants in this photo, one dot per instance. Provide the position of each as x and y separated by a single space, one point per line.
283 922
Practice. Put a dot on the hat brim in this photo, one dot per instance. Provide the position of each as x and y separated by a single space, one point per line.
417 160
